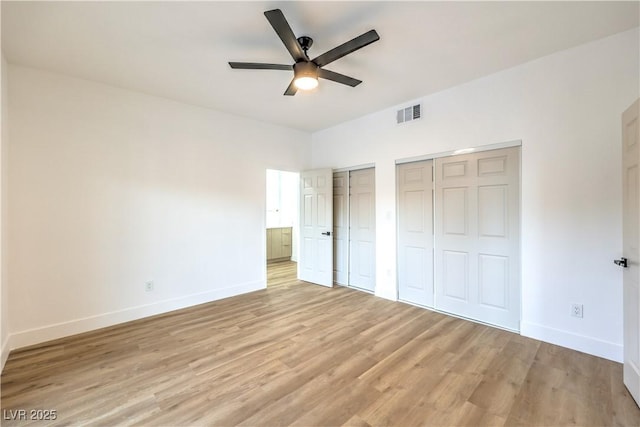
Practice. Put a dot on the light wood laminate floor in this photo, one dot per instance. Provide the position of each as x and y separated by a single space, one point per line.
302 354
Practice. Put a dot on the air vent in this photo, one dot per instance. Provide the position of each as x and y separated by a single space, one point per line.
409 113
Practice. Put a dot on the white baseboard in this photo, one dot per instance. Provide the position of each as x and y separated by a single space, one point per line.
589 345
5 353
59 330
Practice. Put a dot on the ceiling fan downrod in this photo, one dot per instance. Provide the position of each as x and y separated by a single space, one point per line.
305 43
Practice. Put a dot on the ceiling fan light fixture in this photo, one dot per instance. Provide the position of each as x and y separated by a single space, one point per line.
306 83
305 75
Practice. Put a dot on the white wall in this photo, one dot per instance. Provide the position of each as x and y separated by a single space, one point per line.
566 110
110 188
4 142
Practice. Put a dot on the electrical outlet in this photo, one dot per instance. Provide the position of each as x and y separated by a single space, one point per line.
148 286
576 310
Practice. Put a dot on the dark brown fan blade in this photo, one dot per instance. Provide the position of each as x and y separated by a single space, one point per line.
346 48
259 66
337 77
292 89
282 28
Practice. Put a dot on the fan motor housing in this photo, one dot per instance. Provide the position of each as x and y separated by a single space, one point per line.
305 69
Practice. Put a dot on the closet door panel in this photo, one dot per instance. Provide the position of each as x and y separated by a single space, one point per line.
362 231
415 232
477 236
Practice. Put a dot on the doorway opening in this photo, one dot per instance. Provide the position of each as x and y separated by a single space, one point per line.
282 230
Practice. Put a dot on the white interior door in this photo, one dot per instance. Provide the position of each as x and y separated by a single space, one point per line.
415 232
362 229
631 244
316 224
477 236
341 228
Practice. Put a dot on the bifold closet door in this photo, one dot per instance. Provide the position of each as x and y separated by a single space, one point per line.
477 235
415 232
362 229
341 228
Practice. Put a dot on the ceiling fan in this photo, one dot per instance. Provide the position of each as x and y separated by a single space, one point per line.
307 71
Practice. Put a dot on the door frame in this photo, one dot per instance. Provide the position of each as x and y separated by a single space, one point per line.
467 150
433 157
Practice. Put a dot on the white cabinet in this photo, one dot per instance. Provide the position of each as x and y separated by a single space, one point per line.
278 244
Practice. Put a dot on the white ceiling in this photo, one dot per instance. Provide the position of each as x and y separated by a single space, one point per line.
179 50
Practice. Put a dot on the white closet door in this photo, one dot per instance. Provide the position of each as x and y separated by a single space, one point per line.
362 221
415 232
631 247
477 235
341 228
316 224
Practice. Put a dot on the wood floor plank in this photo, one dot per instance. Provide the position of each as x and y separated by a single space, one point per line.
302 354
471 416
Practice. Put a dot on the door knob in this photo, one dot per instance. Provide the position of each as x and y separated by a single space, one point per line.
326 233
622 262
